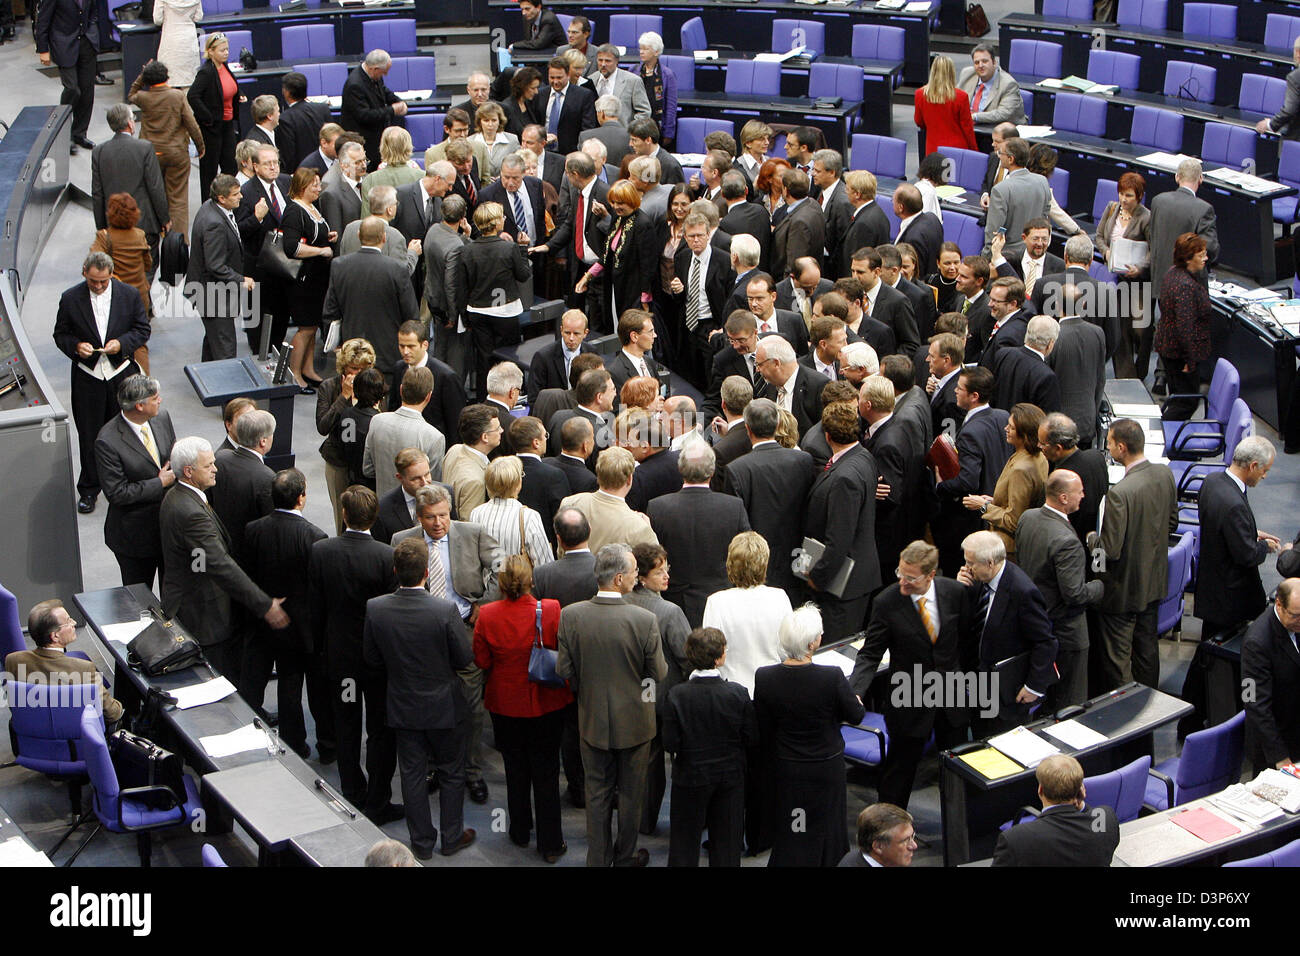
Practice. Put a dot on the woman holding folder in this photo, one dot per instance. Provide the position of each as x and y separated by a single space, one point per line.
1128 219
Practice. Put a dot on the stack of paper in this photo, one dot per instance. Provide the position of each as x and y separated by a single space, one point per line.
1136 411
1074 734
1030 132
415 95
990 764
124 632
951 191
1242 180
1162 160
918 6
1024 747
890 4
236 742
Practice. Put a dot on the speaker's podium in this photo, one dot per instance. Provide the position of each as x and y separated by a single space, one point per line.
218 382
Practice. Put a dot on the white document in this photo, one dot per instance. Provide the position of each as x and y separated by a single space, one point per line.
124 632
1129 252
16 852
1074 734
705 55
236 742
207 692
1052 83
415 95
890 4
689 159
918 6
1162 160
1279 788
1028 132
1024 747
835 659
1136 411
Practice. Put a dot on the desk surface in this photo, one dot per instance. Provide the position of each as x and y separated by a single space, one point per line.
1158 841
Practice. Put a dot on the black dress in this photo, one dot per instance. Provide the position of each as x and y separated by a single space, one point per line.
631 261
350 435
800 709
307 294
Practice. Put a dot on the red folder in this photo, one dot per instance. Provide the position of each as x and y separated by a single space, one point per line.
943 455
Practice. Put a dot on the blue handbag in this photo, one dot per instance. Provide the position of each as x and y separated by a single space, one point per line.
541 660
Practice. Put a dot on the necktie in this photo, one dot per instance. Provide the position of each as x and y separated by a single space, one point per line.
470 191
965 307
828 461
764 328
693 296
579 227
428 212
982 611
568 362
1031 276
553 121
276 209
749 360
866 305
146 436
644 370
780 401
520 222
805 309
975 103
437 577
926 620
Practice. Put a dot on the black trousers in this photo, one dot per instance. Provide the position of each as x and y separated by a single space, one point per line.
218 340
372 790
840 616
445 749
273 295
571 753
530 749
898 775
719 807
79 87
218 155
489 332
139 570
1180 383
656 782
94 405
294 667
226 658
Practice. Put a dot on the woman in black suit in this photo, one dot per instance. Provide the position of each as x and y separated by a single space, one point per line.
214 97
631 257
489 272
800 707
521 108
353 425
307 236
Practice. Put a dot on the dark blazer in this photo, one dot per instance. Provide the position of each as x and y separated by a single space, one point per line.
613 135
124 164
894 309
1079 360
544 33
896 627
488 273
577 114
1023 376
1049 551
789 325
495 192
372 294
242 494
579 475
772 482
443 410
806 402
1061 836
813 441
1013 255
982 452
900 459
924 310
75 322
739 289
620 369
1090 465
204 96
314 160
1172 214
785 294
420 643
259 135
695 526
654 477
842 516
925 233
750 218
60 25
393 516
199 595
599 425
1271 662
568 580
726 450
727 361
368 109
719 278
1091 300
1017 624
340 204
544 487
1010 336
670 171
412 219
1228 586
517 119
442 248
868 226
801 233
595 230
708 726
979 324
912 409
839 215
279 548
251 231
343 575
298 135
216 255
547 369
944 409
130 481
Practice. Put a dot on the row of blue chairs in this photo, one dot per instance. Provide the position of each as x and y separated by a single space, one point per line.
1213 20
316 40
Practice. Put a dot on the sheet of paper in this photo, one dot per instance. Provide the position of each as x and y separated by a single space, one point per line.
1129 252
1262 294
1115 473
1028 132
415 94
16 852
835 659
991 764
1206 824
1074 734
705 55
1136 411
1156 844
236 742
1163 160
918 6
1052 83
124 632
196 695
890 4
950 191
1024 746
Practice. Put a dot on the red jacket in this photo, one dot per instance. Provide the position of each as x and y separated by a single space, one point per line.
503 640
945 124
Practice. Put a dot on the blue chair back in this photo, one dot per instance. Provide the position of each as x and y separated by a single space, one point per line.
1073 9
1027 100
1288 856
1122 790
1035 58
239 40
224 6
683 69
412 73
691 131
965 231
211 857
1111 66
394 36
1225 388
1169 613
1107 193
1060 183
872 41
11 628
46 723
1288 174
693 36
1217 20
99 767
968 166
1078 113
788 34
835 79
1280 31
425 129
1262 95
306 42
1158 128
1230 145
1190 81
751 76
1144 14
1211 760
625 29
1240 424
324 79
882 155
1099 272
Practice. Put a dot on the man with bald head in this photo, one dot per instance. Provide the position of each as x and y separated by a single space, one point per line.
477 87
383 203
922 229
371 294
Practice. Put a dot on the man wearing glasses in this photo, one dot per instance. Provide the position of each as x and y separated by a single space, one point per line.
264 200
924 622
53 629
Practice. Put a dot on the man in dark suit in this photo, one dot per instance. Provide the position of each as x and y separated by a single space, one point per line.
131 458
762 295
1079 361
595 394
868 227
67 33
323 156
736 394
1010 321
656 471
1067 832
886 837
580 232
973 276
994 171
544 485
478 87
883 303
1023 374
645 138
702 284
745 218
1176 212
125 164
577 445
920 295
418 639
568 109
1074 292
369 106
340 199
924 623
922 230
837 210
736 358
541 28
265 112
1270 661
518 194
827 336
636 335
841 515
1058 437
371 293
419 204
298 134
803 230
279 549
695 526
242 492
795 388
215 279
344 574
550 366
444 244
900 461
944 360
265 198
772 482
100 324
607 650
448 398
201 593
911 404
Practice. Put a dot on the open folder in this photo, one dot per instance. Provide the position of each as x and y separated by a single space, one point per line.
813 551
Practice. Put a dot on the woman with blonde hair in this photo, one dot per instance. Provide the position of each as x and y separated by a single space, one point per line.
335 396
125 243
490 119
516 528
214 97
942 111
396 167
749 612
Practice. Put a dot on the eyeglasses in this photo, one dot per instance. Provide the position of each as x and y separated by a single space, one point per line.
68 623
910 579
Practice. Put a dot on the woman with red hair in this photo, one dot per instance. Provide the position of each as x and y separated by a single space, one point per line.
125 243
1183 337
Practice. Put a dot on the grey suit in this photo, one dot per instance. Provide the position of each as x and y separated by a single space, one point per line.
373 296
613 133
1284 120
216 269
611 652
388 434
1020 197
129 477
125 164
1079 360
1172 214
632 101
339 202
394 245
1000 102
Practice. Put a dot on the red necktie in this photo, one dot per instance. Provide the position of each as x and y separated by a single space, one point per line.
579 225
979 95
470 190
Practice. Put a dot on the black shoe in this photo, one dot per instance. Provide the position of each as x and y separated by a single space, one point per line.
306 390
477 790
72 150
1291 449
525 842
303 751
465 840
326 754
83 142
642 857
432 781
389 814
551 856
423 854
86 504
102 80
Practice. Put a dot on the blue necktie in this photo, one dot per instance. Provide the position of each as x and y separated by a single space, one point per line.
520 222
982 612
553 124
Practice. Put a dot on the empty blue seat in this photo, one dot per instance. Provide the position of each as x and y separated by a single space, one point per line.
1027 99
835 79
1206 437
683 68
1230 145
1288 855
1034 58
751 76
239 40
412 73
1060 183
1210 761
691 131
1144 14
1169 612
1288 174
392 36
1280 31
693 36
1073 9
425 129
324 79
968 167
1110 66
1107 193
1217 20
1262 95
788 34
964 230
223 6
307 42
872 41
625 29
1190 81
881 155
1158 128
1079 113
868 742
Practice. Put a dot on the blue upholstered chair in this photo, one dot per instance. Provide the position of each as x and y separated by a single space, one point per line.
1158 128
752 76
1111 66
1073 9
787 34
1280 31
835 79
1169 614
882 155
683 68
968 166
1218 20
1107 192
691 131
1190 81
239 40
393 36
412 73
1288 855
1200 438
1261 95
1288 174
625 29
867 743
313 41
873 41
1227 144
964 230
211 857
324 79
1079 113
1122 790
1210 762
425 130
1034 58
1143 14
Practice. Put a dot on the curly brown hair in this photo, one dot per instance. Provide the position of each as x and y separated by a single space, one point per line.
122 211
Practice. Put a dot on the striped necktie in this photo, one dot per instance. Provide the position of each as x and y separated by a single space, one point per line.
926 620
437 576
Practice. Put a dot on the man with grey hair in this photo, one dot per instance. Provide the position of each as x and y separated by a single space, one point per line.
795 388
242 492
444 243
621 85
733 441
419 204
1079 360
646 173
340 196
1176 212
611 131
201 581
746 253
827 172
370 107
1012 630
505 386
124 164
1058 437
858 360
1023 374
131 456
1073 292
383 203
695 526
100 324
521 198
611 654
707 183
581 230
595 149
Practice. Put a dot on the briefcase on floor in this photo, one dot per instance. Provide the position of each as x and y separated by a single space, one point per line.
140 762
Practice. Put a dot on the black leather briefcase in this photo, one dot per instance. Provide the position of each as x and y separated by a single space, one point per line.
162 648
140 762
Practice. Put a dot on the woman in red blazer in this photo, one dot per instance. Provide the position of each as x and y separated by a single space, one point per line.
527 717
942 110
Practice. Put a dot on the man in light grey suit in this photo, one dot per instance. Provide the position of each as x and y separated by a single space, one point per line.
1079 356
1176 212
125 164
467 555
609 80
644 172
443 244
405 427
383 203
371 294
1284 122
1020 197
993 93
611 131
214 280
611 654
1049 551
340 199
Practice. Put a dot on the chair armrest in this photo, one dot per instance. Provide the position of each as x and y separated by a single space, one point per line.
80 655
1168 782
1182 436
879 734
1200 397
134 792
1194 473
1026 812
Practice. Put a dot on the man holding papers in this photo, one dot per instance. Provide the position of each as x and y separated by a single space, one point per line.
1068 832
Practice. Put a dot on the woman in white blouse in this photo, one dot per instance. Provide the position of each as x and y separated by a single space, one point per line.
491 122
500 514
749 613
929 177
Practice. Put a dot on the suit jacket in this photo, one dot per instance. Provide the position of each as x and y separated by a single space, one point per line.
838 214
50 665
842 516
785 295
489 273
632 100
708 726
167 120
719 278
547 369
621 369
599 424
393 516
544 33
394 247
1172 214
205 99
279 549
1020 197
695 526
789 325
443 410
298 135
611 520
1050 552
259 134
593 229
75 322
867 227
577 114
1270 661
1228 586
979 322
420 643
131 484
727 449
1090 465
772 482
576 471
389 434
925 233
1283 121
1013 255
608 648
475 559
1079 360
199 594
801 233
1141 513
1139 229
944 409
544 487
806 401
894 309
1062 836
1010 335
412 219
1017 624
727 361
613 134
1000 101
813 441
343 575
750 218
466 472
924 310
372 295
1091 300
478 173
216 256
670 171
442 251
982 452
1023 376
568 580
368 109
340 204
495 192
654 477
60 25
896 627
252 231
912 409
900 458
241 495
876 334
124 164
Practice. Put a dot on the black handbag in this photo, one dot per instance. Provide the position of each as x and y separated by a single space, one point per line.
140 762
162 648
541 660
272 260
246 59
